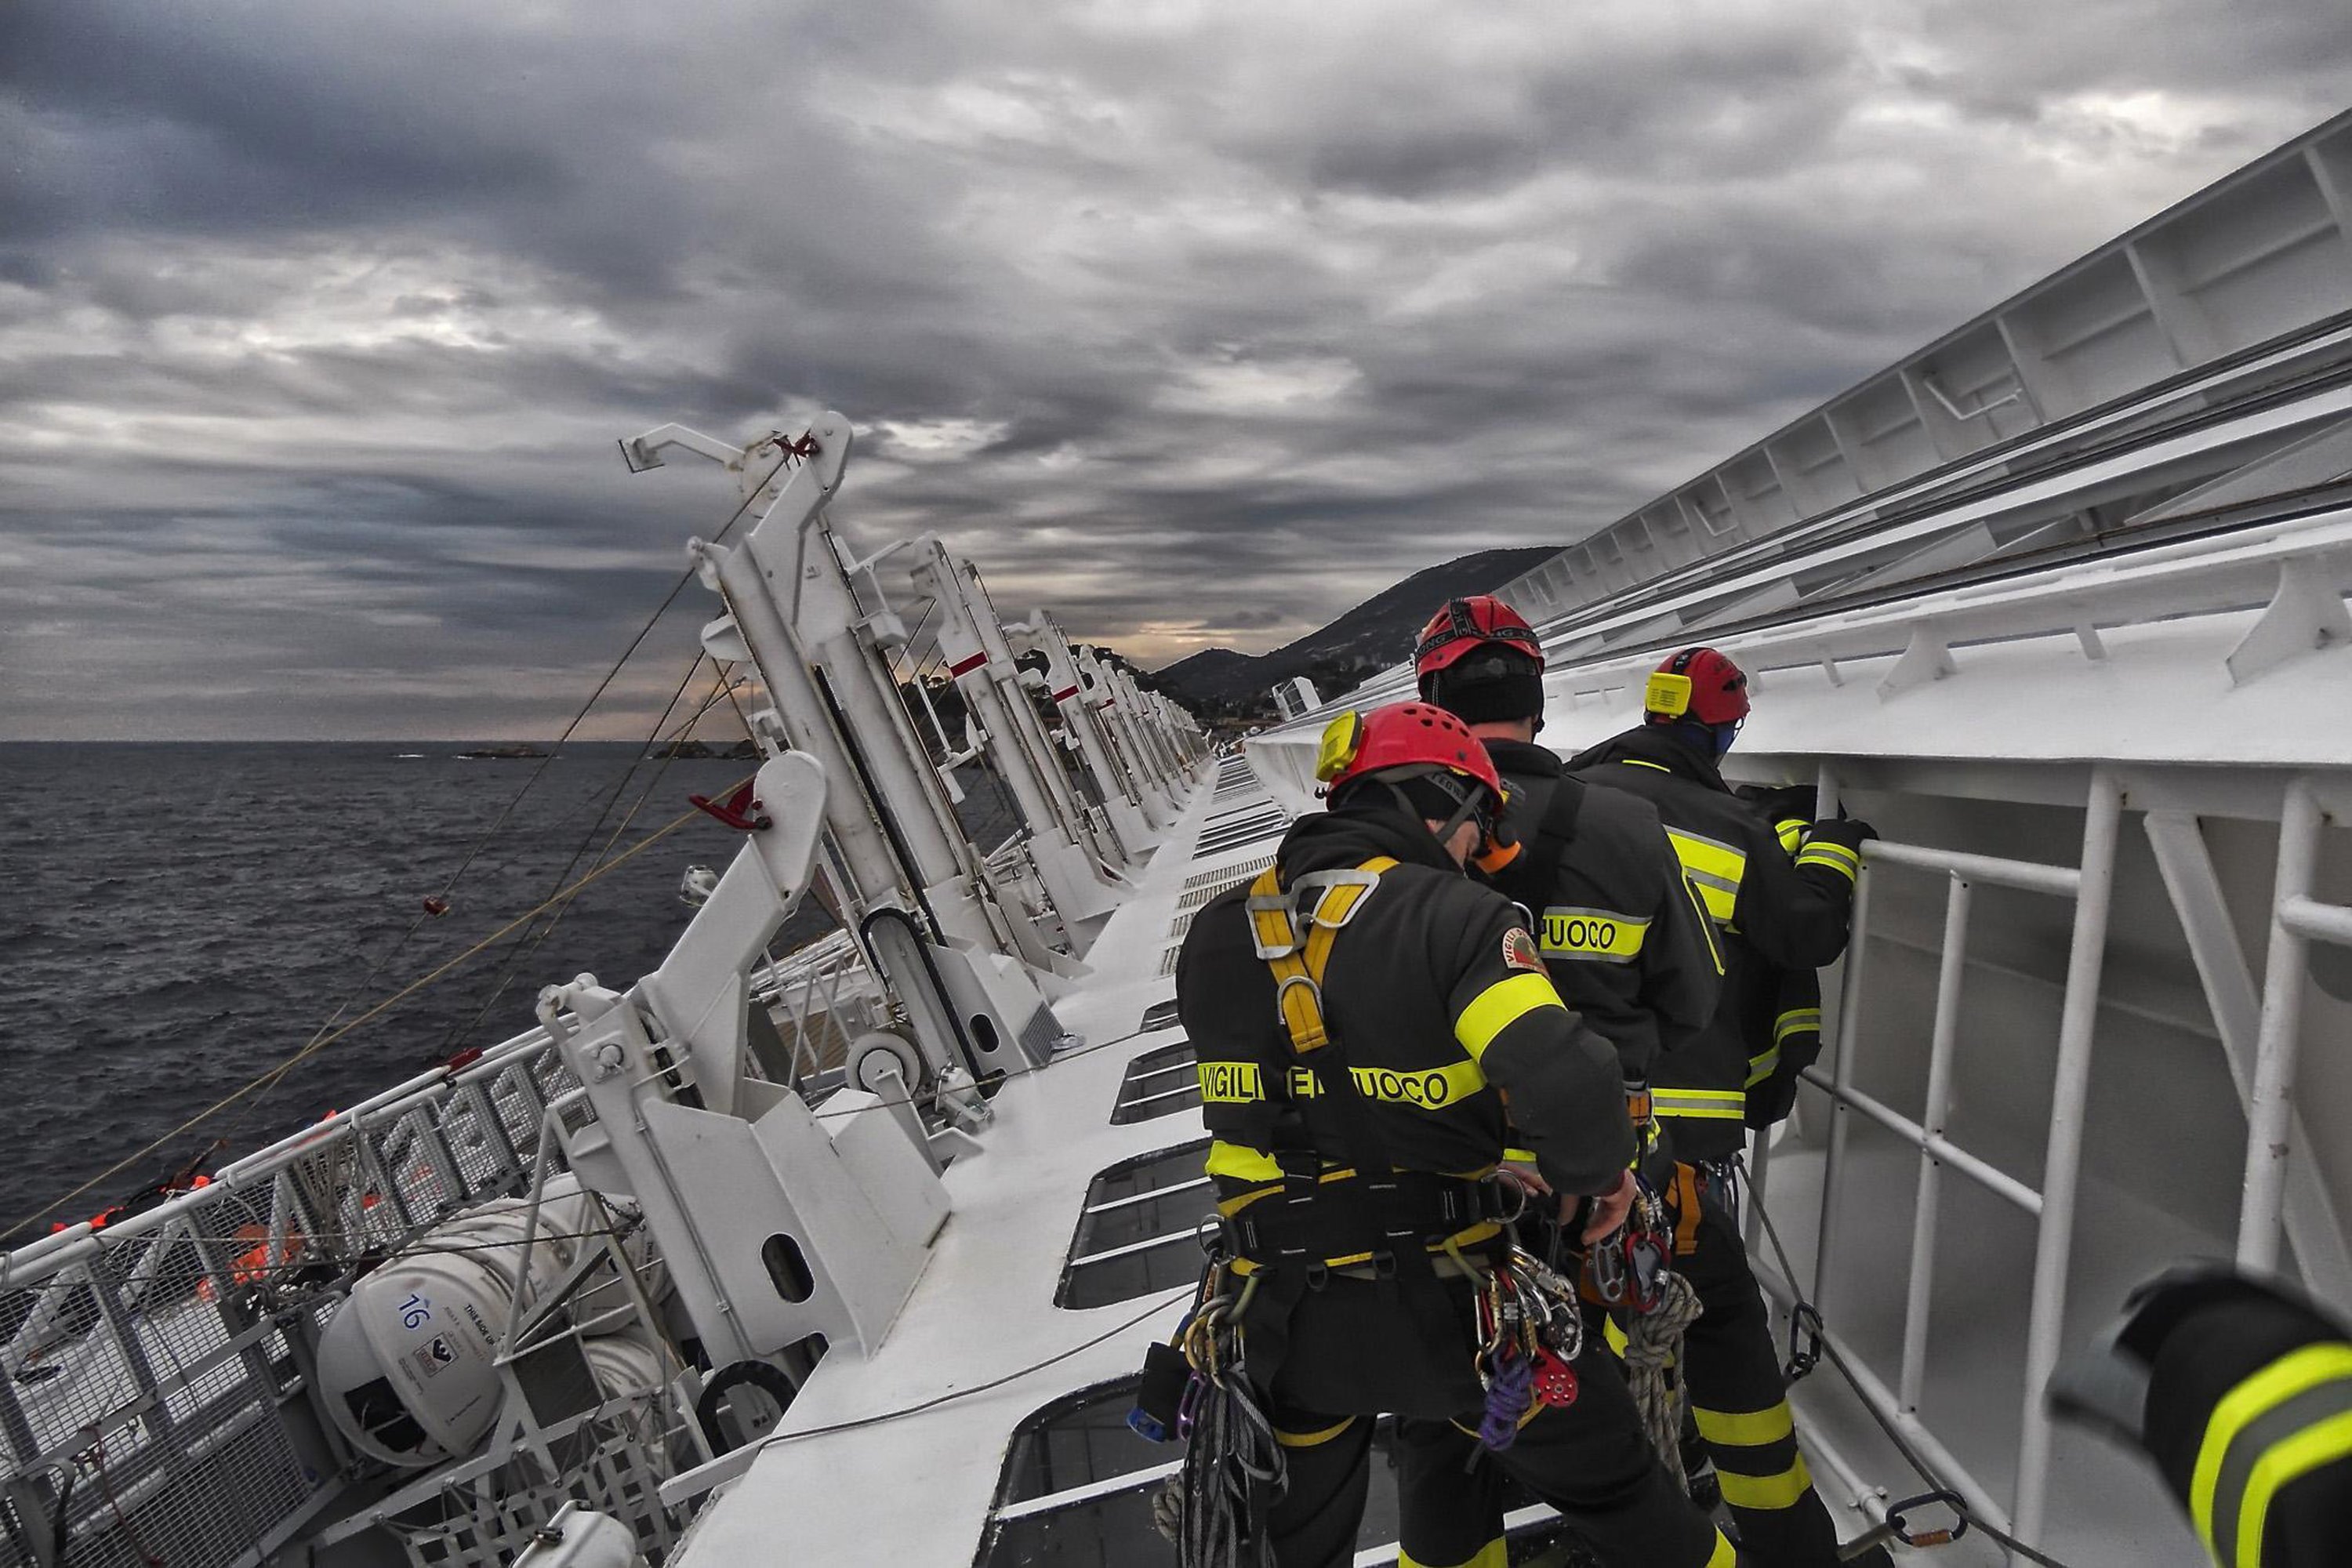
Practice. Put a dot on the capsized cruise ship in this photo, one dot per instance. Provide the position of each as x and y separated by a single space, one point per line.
851 1256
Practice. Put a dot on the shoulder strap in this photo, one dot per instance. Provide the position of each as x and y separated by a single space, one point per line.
1325 901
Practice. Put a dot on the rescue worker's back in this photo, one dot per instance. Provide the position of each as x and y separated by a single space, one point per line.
1428 1060
1436 1004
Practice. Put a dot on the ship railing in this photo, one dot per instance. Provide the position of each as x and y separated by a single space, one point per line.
2285 565
821 998
2261 1041
153 1370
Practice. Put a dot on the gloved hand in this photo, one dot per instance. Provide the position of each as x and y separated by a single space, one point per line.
1849 831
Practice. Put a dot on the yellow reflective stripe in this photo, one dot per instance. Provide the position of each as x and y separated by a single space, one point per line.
1592 934
1836 857
1428 1088
1638 763
1759 1067
1723 1556
2298 1455
1705 923
1499 1006
1729 1104
1241 1163
1311 1439
1745 1428
2296 1372
1231 1083
1791 833
1796 1020
1774 1491
1495 1553
1614 1332
1519 1156
1714 868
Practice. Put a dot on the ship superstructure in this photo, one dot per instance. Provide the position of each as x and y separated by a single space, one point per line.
851 1256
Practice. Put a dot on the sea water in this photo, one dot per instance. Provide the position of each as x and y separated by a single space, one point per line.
176 920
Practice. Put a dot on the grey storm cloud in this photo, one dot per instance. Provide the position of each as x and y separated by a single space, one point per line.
1197 320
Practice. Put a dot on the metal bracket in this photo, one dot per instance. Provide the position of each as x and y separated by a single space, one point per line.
1926 658
2307 613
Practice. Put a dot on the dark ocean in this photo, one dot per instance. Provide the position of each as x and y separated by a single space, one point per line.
175 918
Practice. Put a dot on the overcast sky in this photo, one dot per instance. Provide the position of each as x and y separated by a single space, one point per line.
1197 321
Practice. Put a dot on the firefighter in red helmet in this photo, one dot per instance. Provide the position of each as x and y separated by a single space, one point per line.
1359 1012
1775 912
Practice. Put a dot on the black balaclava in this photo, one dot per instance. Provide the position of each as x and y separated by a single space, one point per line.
1494 685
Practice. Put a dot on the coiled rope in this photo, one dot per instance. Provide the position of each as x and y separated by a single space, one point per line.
1654 1344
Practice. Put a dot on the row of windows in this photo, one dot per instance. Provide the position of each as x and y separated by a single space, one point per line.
1078 1487
1139 1231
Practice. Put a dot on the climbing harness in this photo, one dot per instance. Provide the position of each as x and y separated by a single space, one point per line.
1529 1335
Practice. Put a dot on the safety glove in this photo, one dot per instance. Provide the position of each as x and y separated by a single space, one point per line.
2240 1390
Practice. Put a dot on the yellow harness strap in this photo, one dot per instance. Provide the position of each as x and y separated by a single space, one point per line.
1327 901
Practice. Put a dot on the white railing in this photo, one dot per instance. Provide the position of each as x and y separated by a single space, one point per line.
1894 1396
154 1381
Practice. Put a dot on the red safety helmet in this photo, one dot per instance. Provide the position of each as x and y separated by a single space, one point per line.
1696 683
1419 735
1461 626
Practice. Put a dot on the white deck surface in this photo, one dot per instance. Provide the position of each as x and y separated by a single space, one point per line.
918 1489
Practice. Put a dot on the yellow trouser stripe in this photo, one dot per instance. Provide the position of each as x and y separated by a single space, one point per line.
1312 1440
1723 1556
1499 1006
1715 1104
2294 1373
1745 1428
1778 1491
1495 1553
2298 1455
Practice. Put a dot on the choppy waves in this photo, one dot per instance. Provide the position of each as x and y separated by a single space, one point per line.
231 900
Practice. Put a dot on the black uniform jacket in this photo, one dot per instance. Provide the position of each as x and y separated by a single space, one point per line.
1614 918
1434 1000
1773 913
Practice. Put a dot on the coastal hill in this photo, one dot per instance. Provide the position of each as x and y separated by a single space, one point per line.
1221 683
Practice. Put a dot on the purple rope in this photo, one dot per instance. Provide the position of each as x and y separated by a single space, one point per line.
1507 1398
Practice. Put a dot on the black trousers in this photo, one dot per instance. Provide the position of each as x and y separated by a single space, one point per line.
1331 1361
1732 1370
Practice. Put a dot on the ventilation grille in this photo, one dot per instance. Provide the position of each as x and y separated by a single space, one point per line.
1224 876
